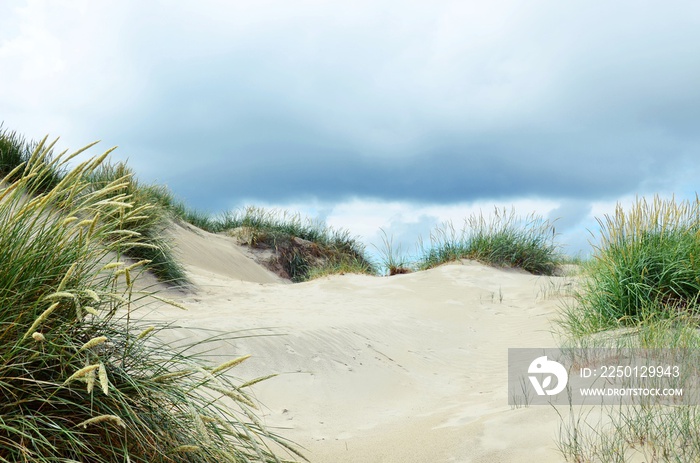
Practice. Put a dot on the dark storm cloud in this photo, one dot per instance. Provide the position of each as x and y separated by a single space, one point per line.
451 174
301 166
579 102
259 152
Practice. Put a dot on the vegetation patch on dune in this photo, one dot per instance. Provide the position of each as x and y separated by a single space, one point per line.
302 248
505 239
646 266
149 201
81 379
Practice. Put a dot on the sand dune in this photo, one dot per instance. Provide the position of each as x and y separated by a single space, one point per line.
401 369
218 255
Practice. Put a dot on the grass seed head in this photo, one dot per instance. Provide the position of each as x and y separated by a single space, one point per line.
114 419
104 380
93 342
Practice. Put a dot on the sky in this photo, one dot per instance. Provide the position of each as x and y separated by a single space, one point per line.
373 116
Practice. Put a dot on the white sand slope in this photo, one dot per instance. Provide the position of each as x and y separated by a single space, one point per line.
218 255
402 369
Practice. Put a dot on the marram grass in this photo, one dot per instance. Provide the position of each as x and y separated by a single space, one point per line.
15 151
149 218
646 266
152 206
641 431
80 381
505 240
392 258
640 289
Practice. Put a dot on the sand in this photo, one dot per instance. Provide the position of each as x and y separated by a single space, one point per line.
409 368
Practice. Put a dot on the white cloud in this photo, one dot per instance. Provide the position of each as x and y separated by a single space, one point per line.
65 68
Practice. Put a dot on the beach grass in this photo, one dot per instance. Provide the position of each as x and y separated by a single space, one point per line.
161 196
641 433
503 239
640 289
641 430
645 266
150 200
80 378
151 222
15 152
392 257
304 248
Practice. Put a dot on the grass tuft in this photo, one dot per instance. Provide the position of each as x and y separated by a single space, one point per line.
505 240
646 265
392 258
